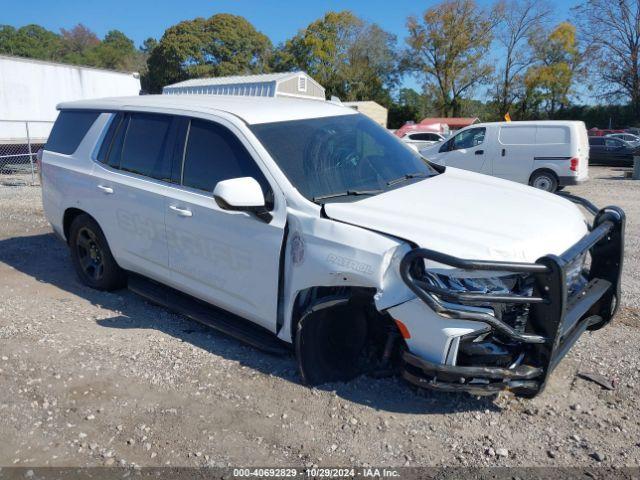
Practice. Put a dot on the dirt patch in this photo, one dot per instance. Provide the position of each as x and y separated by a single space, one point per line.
629 316
93 378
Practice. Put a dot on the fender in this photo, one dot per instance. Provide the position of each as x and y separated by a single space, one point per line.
321 252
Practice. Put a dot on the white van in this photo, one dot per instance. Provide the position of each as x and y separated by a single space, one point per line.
544 154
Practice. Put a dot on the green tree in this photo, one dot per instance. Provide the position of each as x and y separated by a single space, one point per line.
223 44
519 19
145 52
7 39
148 45
549 82
117 52
32 41
405 109
352 59
449 46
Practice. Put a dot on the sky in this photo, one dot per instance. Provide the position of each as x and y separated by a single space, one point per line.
279 20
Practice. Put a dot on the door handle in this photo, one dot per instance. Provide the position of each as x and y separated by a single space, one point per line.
504 152
183 212
479 152
107 190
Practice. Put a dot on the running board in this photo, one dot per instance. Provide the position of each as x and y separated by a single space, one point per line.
221 320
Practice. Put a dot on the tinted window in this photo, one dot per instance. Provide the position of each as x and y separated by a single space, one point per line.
323 156
146 149
425 137
213 153
469 138
69 130
107 141
596 141
114 152
613 142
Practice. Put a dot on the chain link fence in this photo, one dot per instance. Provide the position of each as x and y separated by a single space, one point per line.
20 141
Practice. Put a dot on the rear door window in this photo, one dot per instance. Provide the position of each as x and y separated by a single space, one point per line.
429 137
70 128
147 146
212 154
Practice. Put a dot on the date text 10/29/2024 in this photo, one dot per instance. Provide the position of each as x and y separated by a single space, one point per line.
316 472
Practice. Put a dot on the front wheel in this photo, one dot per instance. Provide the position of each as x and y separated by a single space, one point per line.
546 181
329 344
91 256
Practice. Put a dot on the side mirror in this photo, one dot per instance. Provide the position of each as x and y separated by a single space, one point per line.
445 147
242 194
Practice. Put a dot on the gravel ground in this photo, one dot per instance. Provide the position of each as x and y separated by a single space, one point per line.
91 378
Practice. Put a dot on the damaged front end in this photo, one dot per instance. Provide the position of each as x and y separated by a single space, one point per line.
533 312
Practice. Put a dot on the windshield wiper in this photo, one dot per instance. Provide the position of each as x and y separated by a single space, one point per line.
346 193
406 177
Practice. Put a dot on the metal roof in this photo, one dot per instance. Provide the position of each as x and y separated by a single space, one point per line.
456 122
237 79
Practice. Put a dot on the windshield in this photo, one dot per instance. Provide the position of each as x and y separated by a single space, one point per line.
340 157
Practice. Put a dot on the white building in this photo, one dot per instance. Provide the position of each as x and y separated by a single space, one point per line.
30 90
288 84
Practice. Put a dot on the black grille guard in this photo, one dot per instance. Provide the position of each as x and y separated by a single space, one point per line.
556 319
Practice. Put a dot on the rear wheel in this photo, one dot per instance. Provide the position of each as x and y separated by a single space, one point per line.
330 344
544 180
92 257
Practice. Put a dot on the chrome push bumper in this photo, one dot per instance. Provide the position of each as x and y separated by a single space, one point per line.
555 318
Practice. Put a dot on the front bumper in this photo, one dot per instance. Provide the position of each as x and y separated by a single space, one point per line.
555 318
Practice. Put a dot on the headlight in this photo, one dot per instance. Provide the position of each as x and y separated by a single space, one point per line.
515 315
502 284
519 284
574 274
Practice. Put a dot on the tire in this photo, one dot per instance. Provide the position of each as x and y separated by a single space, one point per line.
329 344
91 256
544 180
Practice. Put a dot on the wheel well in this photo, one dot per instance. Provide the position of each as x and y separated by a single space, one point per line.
547 170
323 297
370 339
70 215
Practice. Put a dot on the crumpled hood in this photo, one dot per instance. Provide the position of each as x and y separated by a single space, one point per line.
470 216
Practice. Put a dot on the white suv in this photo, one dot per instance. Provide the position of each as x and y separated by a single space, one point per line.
422 139
288 222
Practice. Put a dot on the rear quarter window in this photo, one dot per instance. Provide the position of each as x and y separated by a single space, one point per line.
553 135
70 128
424 137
